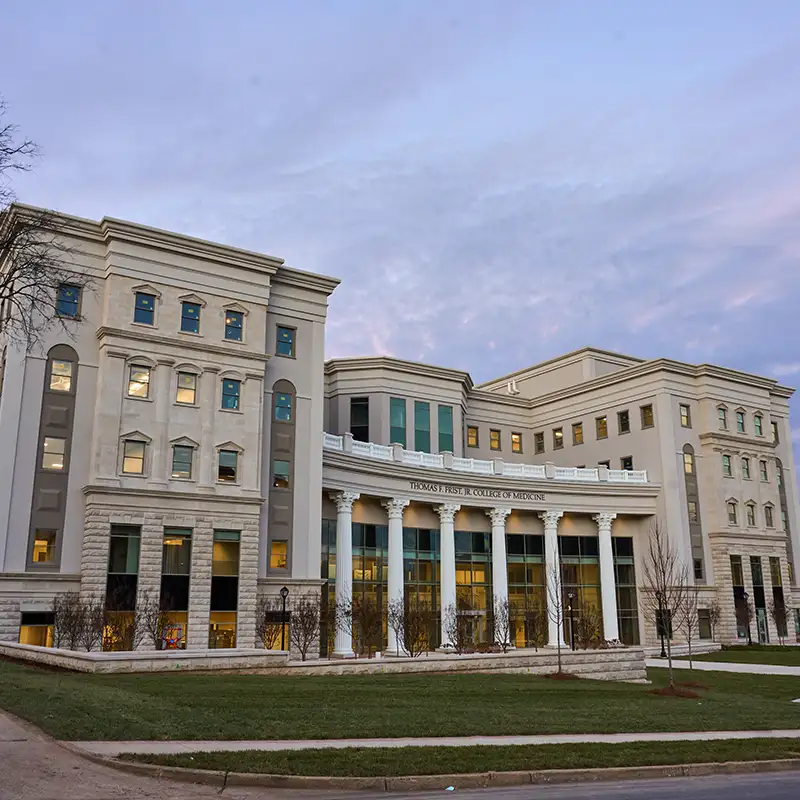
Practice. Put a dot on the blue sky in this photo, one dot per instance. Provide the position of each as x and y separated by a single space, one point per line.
495 182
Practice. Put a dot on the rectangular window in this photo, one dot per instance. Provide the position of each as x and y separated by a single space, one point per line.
283 408
538 442
648 421
606 464
182 461
740 421
768 518
225 555
44 547
775 571
558 438
755 571
472 436
422 426
60 376
775 432
746 468
190 317
758 425
623 422
494 439
692 511
177 553
726 466
228 466
577 433
698 569
144 309
737 573
133 457
731 513
445 429
397 420
359 418
285 345
762 467
231 390
234 325
626 463
278 555
68 301
688 463
53 453
516 442
778 474
139 382
722 415
187 388
601 427
123 549
751 515
280 474
783 520
704 630
686 418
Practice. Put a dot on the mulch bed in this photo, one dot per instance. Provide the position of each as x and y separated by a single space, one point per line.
675 691
563 676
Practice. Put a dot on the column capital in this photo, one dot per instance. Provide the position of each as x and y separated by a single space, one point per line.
550 517
395 507
498 515
604 520
447 512
344 500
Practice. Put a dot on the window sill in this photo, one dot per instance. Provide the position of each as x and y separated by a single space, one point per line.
191 333
133 475
182 480
228 483
232 410
139 399
281 355
185 405
621 433
234 341
647 427
147 325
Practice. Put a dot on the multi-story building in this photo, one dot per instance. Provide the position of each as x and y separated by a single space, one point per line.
189 443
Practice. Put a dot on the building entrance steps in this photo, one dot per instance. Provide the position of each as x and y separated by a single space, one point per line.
114 749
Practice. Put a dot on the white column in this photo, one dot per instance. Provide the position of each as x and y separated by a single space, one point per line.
207 392
608 584
553 578
394 509
343 643
447 565
499 566
162 465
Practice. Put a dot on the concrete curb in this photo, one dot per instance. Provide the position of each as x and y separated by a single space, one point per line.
478 780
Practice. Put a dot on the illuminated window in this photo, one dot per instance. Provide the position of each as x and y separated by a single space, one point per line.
60 376
234 325
133 457
601 427
692 511
278 555
53 453
280 474
44 547
187 389
626 463
688 463
494 440
285 346
558 438
516 442
686 418
139 382
472 436
648 421
577 433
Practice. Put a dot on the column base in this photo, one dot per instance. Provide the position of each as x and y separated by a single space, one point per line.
554 646
343 654
399 653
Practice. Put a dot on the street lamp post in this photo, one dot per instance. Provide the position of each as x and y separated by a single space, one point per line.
747 616
660 598
284 595
571 622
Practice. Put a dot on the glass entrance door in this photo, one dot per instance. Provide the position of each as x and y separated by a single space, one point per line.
763 631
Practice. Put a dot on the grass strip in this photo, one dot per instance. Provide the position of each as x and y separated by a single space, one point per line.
391 762
774 655
73 706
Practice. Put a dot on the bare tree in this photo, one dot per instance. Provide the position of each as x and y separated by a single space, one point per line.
328 623
343 616
745 615
536 624
504 624
153 619
714 617
368 622
555 605
780 619
67 620
588 625
412 623
94 621
304 623
665 581
269 620
34 255
688 621
458 626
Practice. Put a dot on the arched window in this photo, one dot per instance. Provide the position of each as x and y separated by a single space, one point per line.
688 459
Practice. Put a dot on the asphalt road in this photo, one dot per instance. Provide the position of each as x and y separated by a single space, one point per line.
33 767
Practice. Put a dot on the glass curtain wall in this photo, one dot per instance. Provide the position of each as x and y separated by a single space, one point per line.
474 583
224 590
422 575
627 601
580 587
526 588
121 584
175 568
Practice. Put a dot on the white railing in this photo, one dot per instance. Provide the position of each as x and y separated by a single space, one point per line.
372 450
473 465
497 466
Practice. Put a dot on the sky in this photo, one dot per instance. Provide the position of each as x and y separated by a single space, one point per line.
496 183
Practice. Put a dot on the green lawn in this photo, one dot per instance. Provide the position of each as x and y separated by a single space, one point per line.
185 706
756 654
389 762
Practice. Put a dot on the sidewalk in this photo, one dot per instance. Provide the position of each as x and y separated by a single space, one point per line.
113 749
726 666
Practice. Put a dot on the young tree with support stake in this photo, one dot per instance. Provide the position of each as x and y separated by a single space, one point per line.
689 621
665 581
555 606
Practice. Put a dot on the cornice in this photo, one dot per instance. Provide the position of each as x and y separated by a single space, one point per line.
118 491
290 276
188 343
727 440
333 366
